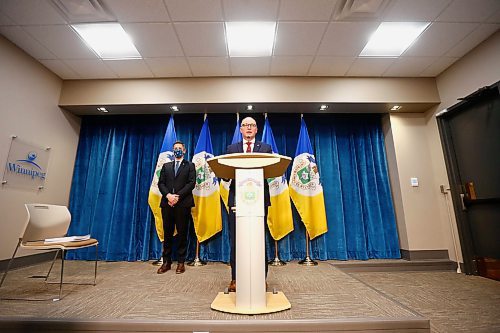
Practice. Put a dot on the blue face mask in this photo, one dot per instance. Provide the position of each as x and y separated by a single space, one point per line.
178 153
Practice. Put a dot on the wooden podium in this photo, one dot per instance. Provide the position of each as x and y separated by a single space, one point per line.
250 171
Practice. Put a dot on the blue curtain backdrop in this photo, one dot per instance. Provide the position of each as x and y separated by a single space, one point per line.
117 154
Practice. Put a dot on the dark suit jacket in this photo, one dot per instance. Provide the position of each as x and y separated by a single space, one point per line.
259 147
182 184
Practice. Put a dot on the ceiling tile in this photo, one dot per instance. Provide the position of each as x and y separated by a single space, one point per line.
154 39
411 10
209 66
306 10
472 40
195 10
24 40
290 66
60 69
369 66
169 67
202 39
438 66
409 66
254 66
437 39
62 41
29 12
330 66
130 68
346 38
91 69
255 10
308 43
494 18
469 11
138 11
5 20
298 38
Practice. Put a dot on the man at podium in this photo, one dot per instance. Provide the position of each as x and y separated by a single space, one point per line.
248 130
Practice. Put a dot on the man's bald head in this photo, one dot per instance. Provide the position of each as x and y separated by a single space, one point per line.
248 128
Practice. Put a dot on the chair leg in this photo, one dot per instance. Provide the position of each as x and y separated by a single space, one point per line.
52 265
10 262
95 268
62 274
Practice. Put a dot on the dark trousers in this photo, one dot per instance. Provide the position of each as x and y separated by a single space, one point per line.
178 218
232 239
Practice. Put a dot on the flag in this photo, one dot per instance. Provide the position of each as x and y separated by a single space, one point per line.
279 214
305 188
207 216
224 186
166 155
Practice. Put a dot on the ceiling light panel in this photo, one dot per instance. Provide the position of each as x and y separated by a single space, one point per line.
391 39
108 40
250 39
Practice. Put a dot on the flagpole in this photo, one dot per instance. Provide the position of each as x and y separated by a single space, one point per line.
307 261
197 261
276 261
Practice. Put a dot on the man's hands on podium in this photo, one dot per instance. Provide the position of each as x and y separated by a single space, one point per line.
172 199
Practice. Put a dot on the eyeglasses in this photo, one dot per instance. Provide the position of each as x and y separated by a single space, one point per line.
249 125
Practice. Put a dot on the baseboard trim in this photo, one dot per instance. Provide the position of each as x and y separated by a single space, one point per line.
28 260
424 254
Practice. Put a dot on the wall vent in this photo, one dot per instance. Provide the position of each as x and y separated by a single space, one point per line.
84 11
354 10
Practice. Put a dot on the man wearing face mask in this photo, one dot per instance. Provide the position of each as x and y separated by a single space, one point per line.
248 130
176 183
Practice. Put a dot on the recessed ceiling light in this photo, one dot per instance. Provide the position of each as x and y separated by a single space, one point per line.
250 39
174 108
323 107
396 108
102 109
249 107
391 39
108 40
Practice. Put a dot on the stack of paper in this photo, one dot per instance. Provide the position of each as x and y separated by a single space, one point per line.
67 239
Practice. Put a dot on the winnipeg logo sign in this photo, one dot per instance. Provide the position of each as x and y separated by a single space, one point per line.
26 165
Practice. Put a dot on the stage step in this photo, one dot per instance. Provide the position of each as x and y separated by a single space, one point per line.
374 265
358 325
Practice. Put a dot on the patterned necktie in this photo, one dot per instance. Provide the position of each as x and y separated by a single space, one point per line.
176 167
249 147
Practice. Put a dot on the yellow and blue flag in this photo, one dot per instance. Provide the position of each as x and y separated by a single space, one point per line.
305 187
279 214
224 185
166 155
207 216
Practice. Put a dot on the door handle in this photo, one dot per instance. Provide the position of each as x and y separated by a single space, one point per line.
462 196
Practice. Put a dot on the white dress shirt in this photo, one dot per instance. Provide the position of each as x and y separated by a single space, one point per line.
245 145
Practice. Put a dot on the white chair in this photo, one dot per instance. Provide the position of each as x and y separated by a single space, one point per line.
44 222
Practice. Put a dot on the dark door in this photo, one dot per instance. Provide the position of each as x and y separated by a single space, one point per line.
470 132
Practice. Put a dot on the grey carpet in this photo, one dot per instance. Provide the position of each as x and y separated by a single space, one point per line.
134 291
453 302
